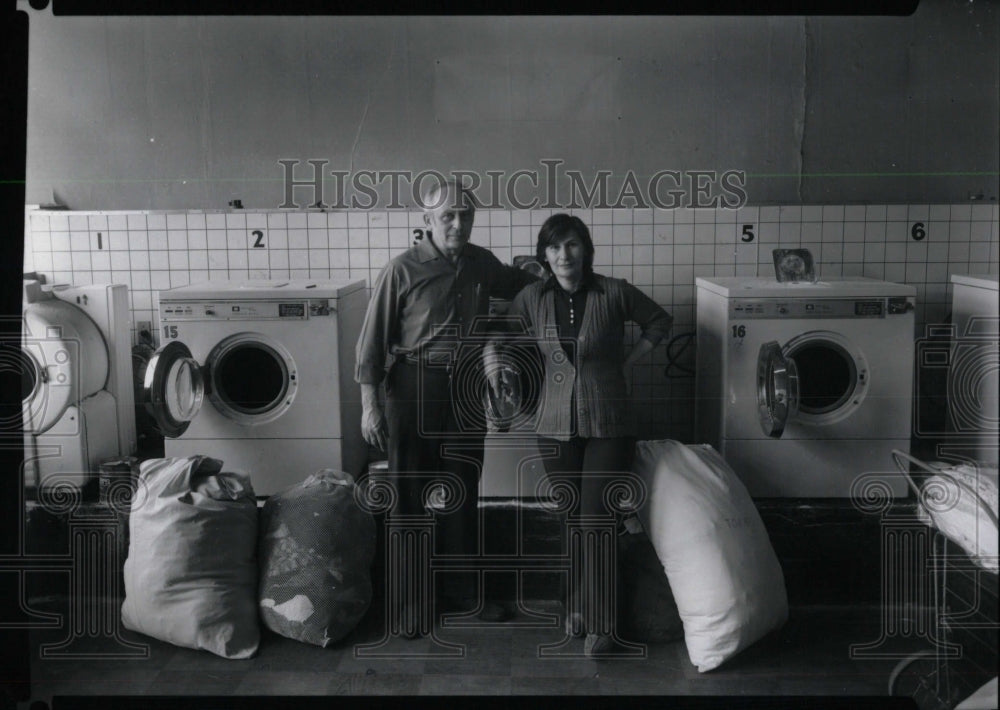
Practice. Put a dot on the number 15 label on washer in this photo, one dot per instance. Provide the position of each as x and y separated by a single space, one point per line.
170 332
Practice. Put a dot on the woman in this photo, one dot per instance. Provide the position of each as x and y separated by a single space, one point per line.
578 320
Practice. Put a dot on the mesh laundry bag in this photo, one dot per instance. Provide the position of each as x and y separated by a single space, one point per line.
191 572
316 549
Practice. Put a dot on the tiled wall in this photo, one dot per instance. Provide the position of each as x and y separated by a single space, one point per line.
660 251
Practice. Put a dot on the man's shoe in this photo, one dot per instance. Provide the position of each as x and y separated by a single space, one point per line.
455 605
495 612
574 625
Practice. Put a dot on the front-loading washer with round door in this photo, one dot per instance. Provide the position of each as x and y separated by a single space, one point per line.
973 431
805 387
260 374
77 407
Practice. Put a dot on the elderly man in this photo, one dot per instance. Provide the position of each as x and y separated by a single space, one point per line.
422 337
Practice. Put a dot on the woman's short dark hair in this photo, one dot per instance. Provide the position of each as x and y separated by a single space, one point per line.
556 229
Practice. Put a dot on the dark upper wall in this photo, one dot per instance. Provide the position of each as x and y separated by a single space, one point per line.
164 113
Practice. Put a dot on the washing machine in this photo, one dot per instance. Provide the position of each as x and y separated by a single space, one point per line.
804 387
973 369
260 374
77 406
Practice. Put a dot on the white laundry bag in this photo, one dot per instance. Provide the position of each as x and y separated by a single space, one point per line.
191 572
725 577
961 502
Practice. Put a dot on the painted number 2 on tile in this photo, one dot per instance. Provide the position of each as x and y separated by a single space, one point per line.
258 239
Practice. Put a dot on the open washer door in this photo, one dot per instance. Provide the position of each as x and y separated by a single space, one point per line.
173 389
777 389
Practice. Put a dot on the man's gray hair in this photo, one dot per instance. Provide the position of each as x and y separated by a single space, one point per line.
462 195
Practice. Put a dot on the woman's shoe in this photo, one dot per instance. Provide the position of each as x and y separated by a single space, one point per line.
602 646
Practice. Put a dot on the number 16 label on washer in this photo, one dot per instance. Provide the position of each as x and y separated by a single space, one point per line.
739 331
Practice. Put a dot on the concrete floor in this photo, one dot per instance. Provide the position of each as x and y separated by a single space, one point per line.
809 656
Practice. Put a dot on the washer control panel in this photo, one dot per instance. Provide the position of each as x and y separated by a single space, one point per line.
293 309
744 308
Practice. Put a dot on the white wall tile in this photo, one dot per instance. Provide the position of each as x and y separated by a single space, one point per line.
895 251
339 238
875 213
198 259
660 250
159 260
257 260
277 239
789 213
897 231
318 238
216 238
238 260
60 241
218 259
100 261
140 281
320 258
177 221
159 280
357 238
855 213
789 233
340 259
359 259
176 239
979 252
298 259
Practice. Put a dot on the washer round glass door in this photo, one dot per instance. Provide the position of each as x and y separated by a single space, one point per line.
253 378
173 388
777 389
831 380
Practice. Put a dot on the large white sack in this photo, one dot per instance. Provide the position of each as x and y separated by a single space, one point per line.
191 572
723 572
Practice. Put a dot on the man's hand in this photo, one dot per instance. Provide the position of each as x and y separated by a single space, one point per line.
373 426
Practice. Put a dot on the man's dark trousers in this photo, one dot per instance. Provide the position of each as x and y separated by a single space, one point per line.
436 426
